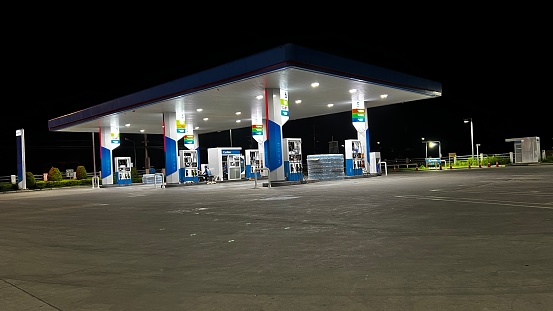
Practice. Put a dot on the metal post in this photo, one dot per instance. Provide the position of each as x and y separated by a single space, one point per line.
472 138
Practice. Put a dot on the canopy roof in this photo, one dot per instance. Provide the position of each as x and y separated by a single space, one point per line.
235 87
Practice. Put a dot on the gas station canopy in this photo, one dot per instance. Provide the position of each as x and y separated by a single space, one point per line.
226 97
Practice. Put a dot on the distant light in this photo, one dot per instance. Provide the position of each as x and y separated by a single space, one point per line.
197 128
353 91
238 121
205 119
199 110
384 96
128 124
259 96
141 131
298 101
330 105
238 113
314 84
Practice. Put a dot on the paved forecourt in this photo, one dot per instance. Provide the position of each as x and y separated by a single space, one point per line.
474 239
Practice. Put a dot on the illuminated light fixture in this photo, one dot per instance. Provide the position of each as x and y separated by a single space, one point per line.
259 96
330 105
238 113
199 110
353 91
298 101
384 96
141 131
238 121
314 84
197 128
128 124
205 119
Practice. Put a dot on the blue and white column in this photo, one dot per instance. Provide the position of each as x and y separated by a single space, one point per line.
277 114
174 128
360 122
109 140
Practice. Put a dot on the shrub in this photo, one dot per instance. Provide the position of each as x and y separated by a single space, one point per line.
54 174
30 180
81 172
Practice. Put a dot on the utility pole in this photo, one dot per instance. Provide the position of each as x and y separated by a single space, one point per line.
146 158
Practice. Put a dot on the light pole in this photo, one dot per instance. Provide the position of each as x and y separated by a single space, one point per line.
425 149
471 135
134 147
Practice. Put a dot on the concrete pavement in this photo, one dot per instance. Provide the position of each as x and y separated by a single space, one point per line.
479 239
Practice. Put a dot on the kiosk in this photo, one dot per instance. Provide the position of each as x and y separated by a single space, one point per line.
122 170
293 169
225 163
188 171
253 162
354 157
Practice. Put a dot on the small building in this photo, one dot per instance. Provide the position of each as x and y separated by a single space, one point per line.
527 149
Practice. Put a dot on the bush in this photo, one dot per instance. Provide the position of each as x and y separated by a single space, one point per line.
81 172
54 174
30 180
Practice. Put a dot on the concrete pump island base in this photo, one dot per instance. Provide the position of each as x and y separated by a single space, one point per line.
479 239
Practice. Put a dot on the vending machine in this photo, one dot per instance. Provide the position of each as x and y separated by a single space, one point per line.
253 162
122 170
293 169
188 171
354 157
225 163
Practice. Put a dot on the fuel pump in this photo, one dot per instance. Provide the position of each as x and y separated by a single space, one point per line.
354 157
253 162
375 164
293 169
188 171
123 170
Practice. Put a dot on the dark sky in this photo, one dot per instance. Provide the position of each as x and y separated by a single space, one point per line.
491 73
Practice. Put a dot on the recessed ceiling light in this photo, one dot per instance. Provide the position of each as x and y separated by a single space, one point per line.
238 121
128 124
197 128
199 110
298 101
353 91
314 84
238 113
330 105
259 96
141 131
383 96
205 119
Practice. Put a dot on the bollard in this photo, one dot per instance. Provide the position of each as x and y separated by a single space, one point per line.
489 164
450 166
496 164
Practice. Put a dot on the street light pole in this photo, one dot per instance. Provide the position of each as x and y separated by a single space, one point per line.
425 149
471 136
134 147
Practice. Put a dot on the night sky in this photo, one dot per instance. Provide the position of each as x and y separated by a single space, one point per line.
489 74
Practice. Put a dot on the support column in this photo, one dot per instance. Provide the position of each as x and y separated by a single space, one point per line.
277 114
109 140
260 137
360 122
174 128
